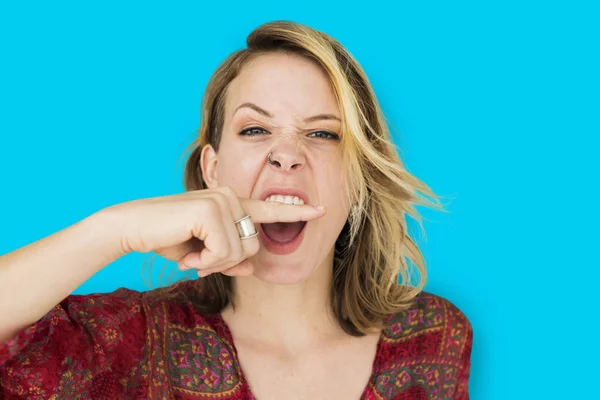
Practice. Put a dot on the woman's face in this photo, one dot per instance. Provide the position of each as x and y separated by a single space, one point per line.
284 105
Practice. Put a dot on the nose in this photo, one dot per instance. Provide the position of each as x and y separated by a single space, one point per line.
286 158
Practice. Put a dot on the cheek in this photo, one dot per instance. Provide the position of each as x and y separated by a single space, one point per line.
332 190
328 173
237 169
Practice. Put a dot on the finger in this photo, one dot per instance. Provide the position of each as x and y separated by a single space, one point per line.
194 245
217 244
273 211
237 249
211 255
249 246
243 268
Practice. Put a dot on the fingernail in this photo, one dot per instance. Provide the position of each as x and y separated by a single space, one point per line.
319 208
203 274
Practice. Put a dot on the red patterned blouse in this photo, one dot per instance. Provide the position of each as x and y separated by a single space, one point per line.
130 345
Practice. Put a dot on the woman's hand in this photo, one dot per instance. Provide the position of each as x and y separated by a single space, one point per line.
197 229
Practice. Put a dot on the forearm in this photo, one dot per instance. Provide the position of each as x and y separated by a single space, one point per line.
35 278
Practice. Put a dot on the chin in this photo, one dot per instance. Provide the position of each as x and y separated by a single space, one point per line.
282 272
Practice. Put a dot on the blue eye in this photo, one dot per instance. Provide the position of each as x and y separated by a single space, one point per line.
324 135
253 131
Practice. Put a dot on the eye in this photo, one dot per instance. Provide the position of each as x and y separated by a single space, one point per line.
324 135
253 131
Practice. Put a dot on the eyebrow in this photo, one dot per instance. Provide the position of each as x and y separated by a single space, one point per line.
267 114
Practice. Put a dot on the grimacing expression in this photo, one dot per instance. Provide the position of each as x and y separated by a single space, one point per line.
285 104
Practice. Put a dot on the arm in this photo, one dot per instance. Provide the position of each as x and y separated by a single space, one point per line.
34 278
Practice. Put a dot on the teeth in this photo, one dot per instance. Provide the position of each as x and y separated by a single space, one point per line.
285 199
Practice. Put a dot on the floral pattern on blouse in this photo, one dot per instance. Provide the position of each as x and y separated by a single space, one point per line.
133 345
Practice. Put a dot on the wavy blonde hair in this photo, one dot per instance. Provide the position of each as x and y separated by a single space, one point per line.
371 277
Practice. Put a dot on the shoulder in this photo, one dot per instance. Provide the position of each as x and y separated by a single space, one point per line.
105 316
93 314
435 320
425 351
192 343
84 343
122 301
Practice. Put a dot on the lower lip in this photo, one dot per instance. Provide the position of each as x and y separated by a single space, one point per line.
282 248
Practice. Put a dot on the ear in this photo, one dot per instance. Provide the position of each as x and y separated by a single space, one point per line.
208 163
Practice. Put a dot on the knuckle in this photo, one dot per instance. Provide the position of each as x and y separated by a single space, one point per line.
225 203
220 198
211 205
228 191
225 194
223 250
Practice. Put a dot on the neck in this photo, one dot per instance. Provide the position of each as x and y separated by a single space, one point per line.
286 315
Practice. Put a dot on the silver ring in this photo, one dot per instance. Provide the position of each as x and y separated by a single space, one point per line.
245 227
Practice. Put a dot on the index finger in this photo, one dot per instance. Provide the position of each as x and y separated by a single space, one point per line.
272 211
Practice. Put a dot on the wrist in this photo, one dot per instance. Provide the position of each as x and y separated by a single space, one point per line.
108 226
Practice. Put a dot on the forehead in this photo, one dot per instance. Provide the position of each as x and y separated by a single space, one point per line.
283 84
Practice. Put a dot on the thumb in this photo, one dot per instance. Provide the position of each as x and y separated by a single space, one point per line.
245 268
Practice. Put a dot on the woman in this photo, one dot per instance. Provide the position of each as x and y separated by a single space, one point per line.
293 219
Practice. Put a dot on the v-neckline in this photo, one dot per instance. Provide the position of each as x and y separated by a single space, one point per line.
225 331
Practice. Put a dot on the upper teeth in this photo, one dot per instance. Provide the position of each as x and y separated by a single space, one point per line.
285 199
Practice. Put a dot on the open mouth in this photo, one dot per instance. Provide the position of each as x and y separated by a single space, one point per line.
284 237
283 232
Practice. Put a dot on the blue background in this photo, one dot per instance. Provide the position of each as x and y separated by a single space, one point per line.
495 104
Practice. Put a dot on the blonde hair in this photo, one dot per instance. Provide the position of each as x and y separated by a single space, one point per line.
371 249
